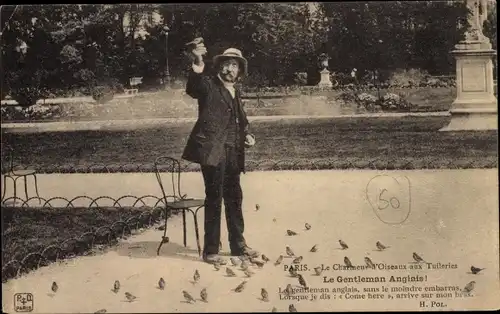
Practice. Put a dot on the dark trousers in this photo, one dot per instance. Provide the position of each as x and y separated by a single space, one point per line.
223 182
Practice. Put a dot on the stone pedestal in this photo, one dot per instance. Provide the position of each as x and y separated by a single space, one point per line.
325 79
475 107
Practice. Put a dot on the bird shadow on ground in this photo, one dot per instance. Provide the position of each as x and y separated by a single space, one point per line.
148 249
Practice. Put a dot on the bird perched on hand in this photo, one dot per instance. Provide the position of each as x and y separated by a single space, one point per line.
240 287
265 258
475 270
298 260
417 258
116 286
279 260
369 262
196 276
307 226
318 270
230 272
161 283
289 251
469 287
302 281
292 272
130 297
187 296
204 295
291 232
380 246
54 287
291 308
196 41
234 261
347 262
343 245
264 295
314 248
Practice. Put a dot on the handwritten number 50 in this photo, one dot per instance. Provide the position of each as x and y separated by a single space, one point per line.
393 201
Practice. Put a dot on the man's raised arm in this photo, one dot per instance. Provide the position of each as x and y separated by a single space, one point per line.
197 84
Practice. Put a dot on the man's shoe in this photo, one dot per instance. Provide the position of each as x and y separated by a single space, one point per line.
214 259
247 252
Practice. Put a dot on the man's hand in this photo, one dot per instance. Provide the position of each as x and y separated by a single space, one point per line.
249 140
198 50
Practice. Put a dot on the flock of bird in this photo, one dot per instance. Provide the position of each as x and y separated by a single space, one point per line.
244 264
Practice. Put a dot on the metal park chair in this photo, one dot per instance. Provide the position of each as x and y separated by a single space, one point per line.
9 170
178 201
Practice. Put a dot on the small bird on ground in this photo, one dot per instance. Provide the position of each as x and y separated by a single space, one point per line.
187 296
230 272
234 261
116 286
369 262
220 246
347 262
298 260
204 295
469 287
264 295
256 262
244 265
307 226
302 281
130 297
343 245
217 266
240 287
292 272
289 251
279 260
288 290
265 258
291 308
318 270
257 206
196 276
100 311
274 309
161 283
274 219
475 270
417 258
314 248
248 273
380 246
54 287
291 232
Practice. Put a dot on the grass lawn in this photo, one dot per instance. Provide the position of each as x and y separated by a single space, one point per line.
408 142
71 231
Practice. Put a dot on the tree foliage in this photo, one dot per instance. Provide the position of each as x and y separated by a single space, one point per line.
57 48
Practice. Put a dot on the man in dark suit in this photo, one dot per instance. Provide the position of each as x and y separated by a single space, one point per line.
217 142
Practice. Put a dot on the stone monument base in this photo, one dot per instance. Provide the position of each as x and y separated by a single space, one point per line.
325 79
475 107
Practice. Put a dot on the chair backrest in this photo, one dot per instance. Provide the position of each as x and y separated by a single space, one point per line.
171 167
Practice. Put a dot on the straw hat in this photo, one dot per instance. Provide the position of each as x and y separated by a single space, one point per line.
235 54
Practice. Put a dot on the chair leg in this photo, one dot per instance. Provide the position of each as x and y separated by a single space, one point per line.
4 186
195 217
164 239
25 179
36 189
184 227
15 189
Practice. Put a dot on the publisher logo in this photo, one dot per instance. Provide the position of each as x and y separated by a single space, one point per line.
23 302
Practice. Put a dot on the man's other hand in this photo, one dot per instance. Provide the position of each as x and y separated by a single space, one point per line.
249 140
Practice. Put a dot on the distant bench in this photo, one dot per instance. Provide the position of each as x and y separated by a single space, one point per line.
131 91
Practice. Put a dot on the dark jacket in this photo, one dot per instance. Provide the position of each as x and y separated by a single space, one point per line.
205 144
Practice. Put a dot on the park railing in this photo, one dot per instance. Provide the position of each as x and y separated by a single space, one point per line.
128 214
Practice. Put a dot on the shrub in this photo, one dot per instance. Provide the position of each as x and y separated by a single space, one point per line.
407 78
394 102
